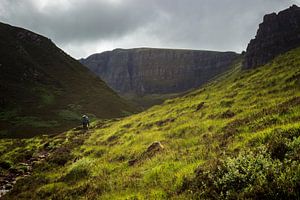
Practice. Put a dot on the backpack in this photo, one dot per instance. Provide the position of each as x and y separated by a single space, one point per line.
85 120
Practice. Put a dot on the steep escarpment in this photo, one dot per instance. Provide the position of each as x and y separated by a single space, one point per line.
157 71
45 90
277 34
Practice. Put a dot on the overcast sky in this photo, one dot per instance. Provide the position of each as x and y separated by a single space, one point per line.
84 27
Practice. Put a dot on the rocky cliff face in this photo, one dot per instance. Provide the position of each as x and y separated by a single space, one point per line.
277 34
157 71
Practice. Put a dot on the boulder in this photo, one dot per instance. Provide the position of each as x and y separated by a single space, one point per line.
151 150
155 146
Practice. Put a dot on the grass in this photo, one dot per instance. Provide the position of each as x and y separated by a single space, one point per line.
236 137
146 101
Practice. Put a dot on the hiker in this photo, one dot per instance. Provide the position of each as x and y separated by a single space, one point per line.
85 122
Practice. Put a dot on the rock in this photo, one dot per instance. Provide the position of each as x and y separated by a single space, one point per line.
24 164
8 186
33 159
42 156
227 114
3 182
5 164
3 192
132 162
200 106
165 121
157 71
13 170
46 145
154 147
277 34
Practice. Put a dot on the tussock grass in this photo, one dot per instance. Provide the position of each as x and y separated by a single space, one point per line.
242 114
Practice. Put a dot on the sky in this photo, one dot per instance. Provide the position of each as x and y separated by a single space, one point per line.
84 27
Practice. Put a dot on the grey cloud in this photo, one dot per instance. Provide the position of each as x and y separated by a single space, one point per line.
215 24
82 20
198 24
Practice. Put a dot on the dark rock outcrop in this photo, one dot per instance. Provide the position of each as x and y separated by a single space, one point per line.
157 71
277 34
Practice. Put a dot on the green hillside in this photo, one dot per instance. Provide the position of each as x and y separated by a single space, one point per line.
44 90
236 137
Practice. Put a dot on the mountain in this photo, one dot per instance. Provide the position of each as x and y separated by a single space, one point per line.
43 90
143 71
277 34
235 138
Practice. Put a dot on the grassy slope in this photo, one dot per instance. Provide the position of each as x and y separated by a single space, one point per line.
254 111
44 90
146 101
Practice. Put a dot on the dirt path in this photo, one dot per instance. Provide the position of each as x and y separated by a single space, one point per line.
7 182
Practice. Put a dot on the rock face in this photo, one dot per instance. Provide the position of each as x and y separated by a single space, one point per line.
277 34
157 71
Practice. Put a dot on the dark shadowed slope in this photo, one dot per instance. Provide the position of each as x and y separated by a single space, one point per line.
44 90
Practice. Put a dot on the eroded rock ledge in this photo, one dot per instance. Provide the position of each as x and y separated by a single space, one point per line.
277 34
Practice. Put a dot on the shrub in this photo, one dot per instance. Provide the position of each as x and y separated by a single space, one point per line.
250 175
277 147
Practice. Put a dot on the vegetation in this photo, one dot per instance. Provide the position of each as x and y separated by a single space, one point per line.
235 138
43 90
146 101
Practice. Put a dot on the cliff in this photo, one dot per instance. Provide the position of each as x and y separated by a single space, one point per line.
157 71
277 34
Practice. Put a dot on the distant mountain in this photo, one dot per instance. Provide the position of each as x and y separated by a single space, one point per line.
45 90
143 71
277 34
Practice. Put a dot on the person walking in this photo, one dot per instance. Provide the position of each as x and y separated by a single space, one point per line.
85 122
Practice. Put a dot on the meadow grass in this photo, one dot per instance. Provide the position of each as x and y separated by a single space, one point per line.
233 116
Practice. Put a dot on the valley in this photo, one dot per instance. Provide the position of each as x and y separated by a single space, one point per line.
242 112
188 124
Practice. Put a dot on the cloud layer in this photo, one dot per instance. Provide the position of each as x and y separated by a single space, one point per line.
85 27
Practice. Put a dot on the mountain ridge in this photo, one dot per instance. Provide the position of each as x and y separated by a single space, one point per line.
44 88
157 71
